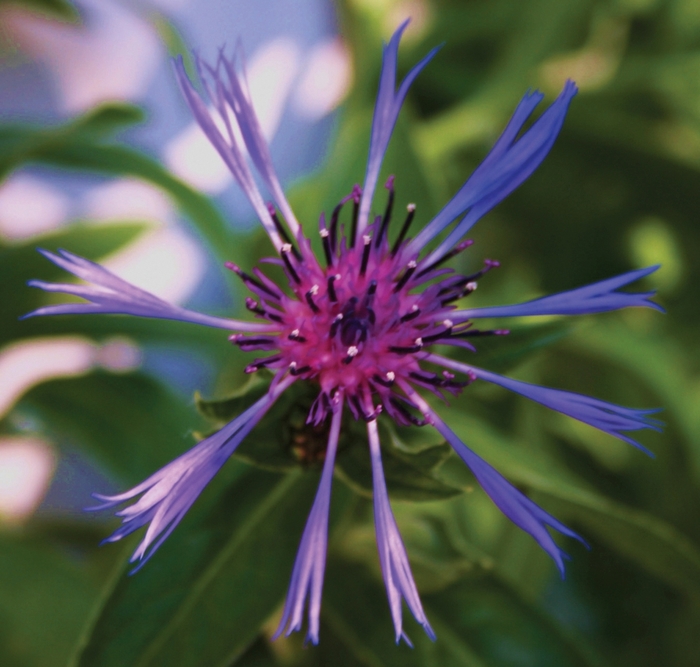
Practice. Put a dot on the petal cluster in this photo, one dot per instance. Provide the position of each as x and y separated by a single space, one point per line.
358 323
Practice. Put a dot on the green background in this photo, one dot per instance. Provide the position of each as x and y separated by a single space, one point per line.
620 190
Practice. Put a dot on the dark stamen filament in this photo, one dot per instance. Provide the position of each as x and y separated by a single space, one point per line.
387 212
449 255
281 229
387 381
411 314
331 288
407 274
365 254
296 337
250 280
261 363
335 324
326 237
286 248
310 299
294 370
356 193
411 208
253 307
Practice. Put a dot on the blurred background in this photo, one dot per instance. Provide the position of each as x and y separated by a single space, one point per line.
99 155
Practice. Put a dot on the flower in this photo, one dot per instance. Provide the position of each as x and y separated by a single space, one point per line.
359 324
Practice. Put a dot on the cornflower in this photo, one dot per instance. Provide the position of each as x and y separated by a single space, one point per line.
359 324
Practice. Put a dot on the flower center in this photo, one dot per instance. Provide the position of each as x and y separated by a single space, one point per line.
360 323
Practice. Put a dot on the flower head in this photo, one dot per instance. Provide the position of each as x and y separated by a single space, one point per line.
358 323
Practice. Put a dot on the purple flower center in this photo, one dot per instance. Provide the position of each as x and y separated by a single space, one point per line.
361 321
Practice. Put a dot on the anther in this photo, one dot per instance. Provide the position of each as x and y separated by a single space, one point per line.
296 336
285 249
295 370
449 255
282 232
250 280
386 381
411 267
351 354
261 363
411 209
326 238
310 299
335 324
331 287
411 314
365 253
389 185
356 195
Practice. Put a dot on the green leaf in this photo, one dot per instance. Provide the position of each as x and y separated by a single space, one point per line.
410 465
53 8
129 423
20 263
650 542
45 599
205 595
74 146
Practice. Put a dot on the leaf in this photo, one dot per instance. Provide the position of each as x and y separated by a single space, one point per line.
129 423
74 146
54 8
205 595
650 542
20 263
410 472
45 599
479 622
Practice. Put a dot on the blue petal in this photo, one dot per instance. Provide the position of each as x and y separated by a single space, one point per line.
599 297
386 111
508 164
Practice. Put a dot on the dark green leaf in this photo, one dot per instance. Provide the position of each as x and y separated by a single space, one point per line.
45 600
205 595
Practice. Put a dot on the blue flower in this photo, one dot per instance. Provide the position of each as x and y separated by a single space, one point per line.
358 323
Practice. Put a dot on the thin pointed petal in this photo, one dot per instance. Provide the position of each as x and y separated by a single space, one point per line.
167 495
598 297
110 295
310 563
508 164
392 553
608 417
386 112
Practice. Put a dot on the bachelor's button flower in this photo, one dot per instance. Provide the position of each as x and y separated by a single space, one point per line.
358 323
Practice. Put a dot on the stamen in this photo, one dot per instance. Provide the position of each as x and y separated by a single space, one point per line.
372 289
356 195
389 185
331 287
249 344
282 231
449 255
248 279
351 354
335 324
448 324
334 225
285 250
406 275
411 314
365 253
411 208
296 336
325 236
388 381
309 299
481 332
293 370
261 363
252 306
406 414
416 347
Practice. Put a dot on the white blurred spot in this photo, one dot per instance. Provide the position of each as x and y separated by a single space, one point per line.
26 467
191 157
30 206
326 80
165 262
119 355
270 75
112 55
22 365
127 199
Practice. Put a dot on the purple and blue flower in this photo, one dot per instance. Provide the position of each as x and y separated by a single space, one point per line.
359 323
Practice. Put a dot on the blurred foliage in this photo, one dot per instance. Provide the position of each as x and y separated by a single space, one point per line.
619 190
